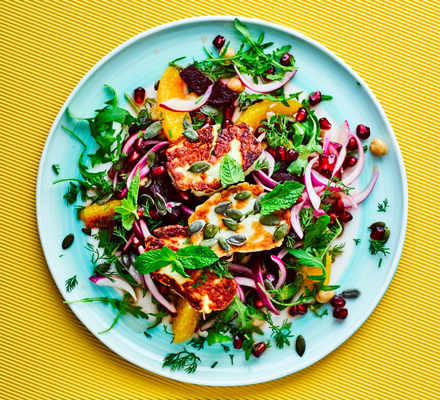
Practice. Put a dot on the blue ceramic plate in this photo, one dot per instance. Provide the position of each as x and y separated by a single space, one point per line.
140 62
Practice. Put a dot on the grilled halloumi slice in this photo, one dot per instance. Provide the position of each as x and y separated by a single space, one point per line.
211 146
258 237
204 290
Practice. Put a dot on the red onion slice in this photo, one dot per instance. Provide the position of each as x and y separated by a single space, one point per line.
127 245
240 269
357 169
294 219
188 210
240 294
156 294
271 162
258 278
114 282
340 158
349 199
267 189
283 271
261 137
326 144
181 105
128 143
144 228
265 87
282 253
342 132
115 179
262 177
314 198
360 197
242 281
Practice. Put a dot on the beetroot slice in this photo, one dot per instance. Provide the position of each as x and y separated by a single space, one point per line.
286 176
195 79
222 95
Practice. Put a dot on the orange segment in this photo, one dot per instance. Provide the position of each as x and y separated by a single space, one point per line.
96 216
257 112
316 271
171 86
185 324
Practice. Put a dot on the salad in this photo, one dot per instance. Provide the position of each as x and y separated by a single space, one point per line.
214 200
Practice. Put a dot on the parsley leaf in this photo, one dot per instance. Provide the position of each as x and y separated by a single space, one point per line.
319 227
382 207
283 196
128 207
357 241
309 260
244 314
231 171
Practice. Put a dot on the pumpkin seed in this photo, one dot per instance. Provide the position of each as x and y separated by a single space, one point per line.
196 226
104 200
299 279
152 159
209 110
156 85
230 223
222 207
199 167
377 225
269 220
234 214
118 165
210 231
300 345
126 261
350 294
386 235
187 124
102 268
208 242
243 195
146 199
161 205
223 244
133 256
67 242
236 240
257 207
268 284
153 130
191 135
87 231
280 232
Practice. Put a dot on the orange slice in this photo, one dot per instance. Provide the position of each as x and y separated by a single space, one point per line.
96 216
171 86
185 324
257 112
316 271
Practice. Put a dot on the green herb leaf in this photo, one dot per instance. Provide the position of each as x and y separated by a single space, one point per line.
183 360
195 257
128 207
216 337
319 227
309 260
231 171
153 260
283 196
71 283
382 207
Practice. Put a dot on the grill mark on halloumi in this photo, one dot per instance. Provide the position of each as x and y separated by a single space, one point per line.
212 145
211 295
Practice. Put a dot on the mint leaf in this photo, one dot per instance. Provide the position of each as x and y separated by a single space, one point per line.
177 266
230 171
195 257
283 196
128 207
154 260
316 229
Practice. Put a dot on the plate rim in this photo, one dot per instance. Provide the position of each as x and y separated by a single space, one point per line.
228 18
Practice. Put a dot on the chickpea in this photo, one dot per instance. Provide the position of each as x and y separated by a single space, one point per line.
235 85
191 96
229 53
153 112
324 297
378 147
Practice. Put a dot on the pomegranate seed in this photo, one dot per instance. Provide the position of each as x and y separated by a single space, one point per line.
163 290
302 114
111 173
315 98
228 111
293 311
340 313
197 117
377 233
270 71
120 194
258 349
134 128
162 156
332 218
338 174
210 121
157 171
363 132
140 211
219 41
272 152
299 309
324 124
237 340
327 161
139 95
338 302
139 144
337 146
349 161
154 214
345 217
337 207
132 160
292 155
226 123
326 173
285 60
300 199
352 144
258 304
280 152
135 242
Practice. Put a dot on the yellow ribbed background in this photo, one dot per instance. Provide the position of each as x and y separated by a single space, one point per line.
47 47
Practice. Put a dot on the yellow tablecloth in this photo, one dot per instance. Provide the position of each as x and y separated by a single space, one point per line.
47 47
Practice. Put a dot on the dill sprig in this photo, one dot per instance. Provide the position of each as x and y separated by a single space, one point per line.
377 246
197 342
281 334
71 194
183 360
336 251
71 283
382 207
357 241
